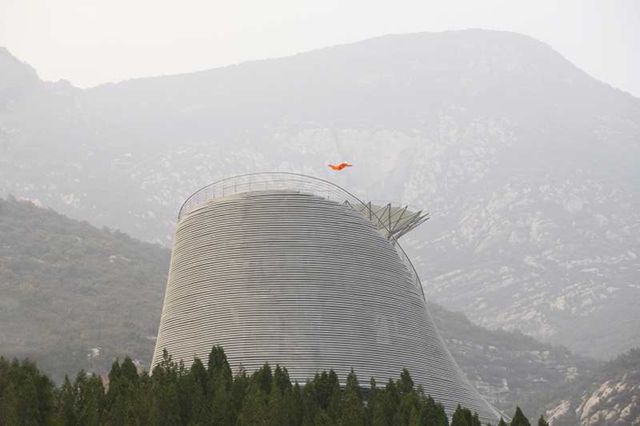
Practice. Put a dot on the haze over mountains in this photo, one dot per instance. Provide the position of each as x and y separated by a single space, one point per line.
529 167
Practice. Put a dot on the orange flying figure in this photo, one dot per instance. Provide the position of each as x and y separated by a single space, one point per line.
340 166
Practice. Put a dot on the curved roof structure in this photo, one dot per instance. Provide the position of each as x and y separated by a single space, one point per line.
394 221
269 181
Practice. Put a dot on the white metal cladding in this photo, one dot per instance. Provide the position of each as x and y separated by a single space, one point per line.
302 281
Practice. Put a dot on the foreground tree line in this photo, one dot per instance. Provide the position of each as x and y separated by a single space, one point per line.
212 395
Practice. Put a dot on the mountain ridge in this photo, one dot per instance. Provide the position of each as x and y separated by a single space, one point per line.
5 51
528 165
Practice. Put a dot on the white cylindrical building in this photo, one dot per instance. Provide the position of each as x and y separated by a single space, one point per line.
296 271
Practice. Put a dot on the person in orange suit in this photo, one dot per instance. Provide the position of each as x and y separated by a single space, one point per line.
338 167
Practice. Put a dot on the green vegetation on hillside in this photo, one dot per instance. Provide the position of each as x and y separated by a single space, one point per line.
71 292
211 395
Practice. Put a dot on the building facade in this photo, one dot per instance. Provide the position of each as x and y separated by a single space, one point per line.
296 271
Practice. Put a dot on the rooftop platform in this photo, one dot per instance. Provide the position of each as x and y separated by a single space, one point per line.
392 220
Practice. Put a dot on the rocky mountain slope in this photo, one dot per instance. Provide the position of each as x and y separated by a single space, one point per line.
509 368
74 296
610 395
529 166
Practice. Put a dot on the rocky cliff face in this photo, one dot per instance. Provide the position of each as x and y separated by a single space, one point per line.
614 402
528 166
607 396
511 369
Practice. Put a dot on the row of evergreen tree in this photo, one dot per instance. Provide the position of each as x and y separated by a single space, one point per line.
212 395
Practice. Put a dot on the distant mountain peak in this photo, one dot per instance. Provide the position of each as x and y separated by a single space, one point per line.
14 72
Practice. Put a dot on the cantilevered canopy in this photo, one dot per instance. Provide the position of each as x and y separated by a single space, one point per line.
394 221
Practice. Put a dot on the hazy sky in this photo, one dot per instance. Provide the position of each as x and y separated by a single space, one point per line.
93 41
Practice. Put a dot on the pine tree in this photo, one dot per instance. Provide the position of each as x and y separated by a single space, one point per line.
462 417
89 399
542 421
430 412
219 368
326 389
387 401
409 405
352 410
114 373
263 378
475 420
373 412
416 417
255 409
310 401
120 400
190 396
222 412
440 415
279 408
143 399
200 391
281 379
280 398
335 397
67 403
26 395
323 419
296 402
200 376
128 371
238 391
519 419
165 405
405 384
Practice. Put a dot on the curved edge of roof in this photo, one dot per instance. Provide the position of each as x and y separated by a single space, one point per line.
258 181
261 181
